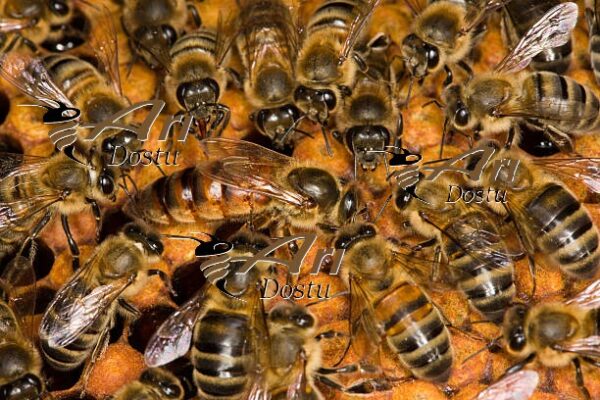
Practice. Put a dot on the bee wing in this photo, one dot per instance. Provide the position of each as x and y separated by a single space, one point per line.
77 305
365 330
18 272
419 270
552 30
15 24
298 388
227 32
588 298
259 344
29 75
517 386
585 347
174 337
357 26
249 167
105 46
583 169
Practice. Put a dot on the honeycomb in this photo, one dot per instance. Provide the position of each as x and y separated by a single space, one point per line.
122 362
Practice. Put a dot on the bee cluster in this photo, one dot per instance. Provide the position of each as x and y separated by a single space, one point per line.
435 166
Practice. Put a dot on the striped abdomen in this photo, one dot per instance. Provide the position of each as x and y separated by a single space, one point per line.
564 231
16 189
187 196
193 55
486 279
416 332
567 105
78 352
521 16
333 16
221 355
594 45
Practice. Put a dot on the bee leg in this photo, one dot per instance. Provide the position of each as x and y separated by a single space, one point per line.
72 244
467 68
560 138
235 78
97 216
165 278
128 310
512 133
449 76
99 349
579 379
195 14
32 46
363 387
518 366
223 114
330 334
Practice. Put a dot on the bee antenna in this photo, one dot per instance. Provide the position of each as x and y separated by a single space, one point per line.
385 204
490 345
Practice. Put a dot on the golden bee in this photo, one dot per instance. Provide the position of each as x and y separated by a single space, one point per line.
197 79
241 181
328 58
267 41
479 260
153 384
494 103
555 334
74 329
388 305
153 26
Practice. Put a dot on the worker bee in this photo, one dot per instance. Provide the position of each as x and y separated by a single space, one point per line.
75 327
442 36
369 121
20 375
477 254
34 189
388 304
241 180
267 41
153 384
555 334
495 102
56 25
517 19
328 59
153 27
196 79
548 217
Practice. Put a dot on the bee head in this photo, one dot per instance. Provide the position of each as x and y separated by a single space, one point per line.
198 97
315 103
145 237
457 110
421 57
354 234
277 123
124 139
513 329
28 386
366 143
317 184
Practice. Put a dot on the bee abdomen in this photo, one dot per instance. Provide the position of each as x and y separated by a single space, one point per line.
415 330
221 355
595 55
76 353
72 74
569 235
336 14
559 95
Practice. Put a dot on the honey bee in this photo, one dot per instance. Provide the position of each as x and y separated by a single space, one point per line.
327 60
517 19
196 79
225 331
241 180
548 217
591 12
153 27
495 102
20 375
153 384
442 36
75 327
479 259
34 189
267 41
388 304
555 334
369 121
56 25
